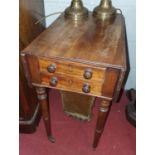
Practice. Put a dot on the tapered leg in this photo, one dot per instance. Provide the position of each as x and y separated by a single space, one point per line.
102 114
43 100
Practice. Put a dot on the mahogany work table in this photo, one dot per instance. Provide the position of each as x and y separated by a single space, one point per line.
88 57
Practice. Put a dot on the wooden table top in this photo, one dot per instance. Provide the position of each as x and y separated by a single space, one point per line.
91 41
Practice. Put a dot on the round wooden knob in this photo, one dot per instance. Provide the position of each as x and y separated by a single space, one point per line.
53 81
86 88
51 68
88 74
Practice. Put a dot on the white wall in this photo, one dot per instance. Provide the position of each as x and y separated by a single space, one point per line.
128 8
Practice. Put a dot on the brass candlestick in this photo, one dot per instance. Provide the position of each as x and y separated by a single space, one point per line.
104 10
76 11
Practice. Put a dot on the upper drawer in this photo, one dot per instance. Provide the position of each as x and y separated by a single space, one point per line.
74 69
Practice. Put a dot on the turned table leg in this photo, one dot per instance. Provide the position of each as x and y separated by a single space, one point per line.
43 100
102 114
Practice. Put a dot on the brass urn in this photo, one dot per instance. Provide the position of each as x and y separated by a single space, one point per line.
104 10
76 11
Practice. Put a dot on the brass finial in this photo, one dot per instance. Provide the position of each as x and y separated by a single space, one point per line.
76 11
104 10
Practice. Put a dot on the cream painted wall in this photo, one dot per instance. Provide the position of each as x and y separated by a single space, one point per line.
128 8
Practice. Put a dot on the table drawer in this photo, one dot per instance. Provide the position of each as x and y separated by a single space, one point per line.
102 83
72 69
70 76
68 83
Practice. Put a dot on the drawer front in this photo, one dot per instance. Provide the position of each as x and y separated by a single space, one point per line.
70 76
73 84
75 70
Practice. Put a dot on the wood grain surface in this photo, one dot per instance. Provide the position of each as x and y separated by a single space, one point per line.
91 41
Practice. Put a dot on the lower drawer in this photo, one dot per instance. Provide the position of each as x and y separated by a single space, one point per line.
63 82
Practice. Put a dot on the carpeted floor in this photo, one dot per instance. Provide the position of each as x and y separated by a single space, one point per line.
74 137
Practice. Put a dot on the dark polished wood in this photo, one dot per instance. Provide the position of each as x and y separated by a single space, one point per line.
29 12
102 115
92 41
74 48
43 100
